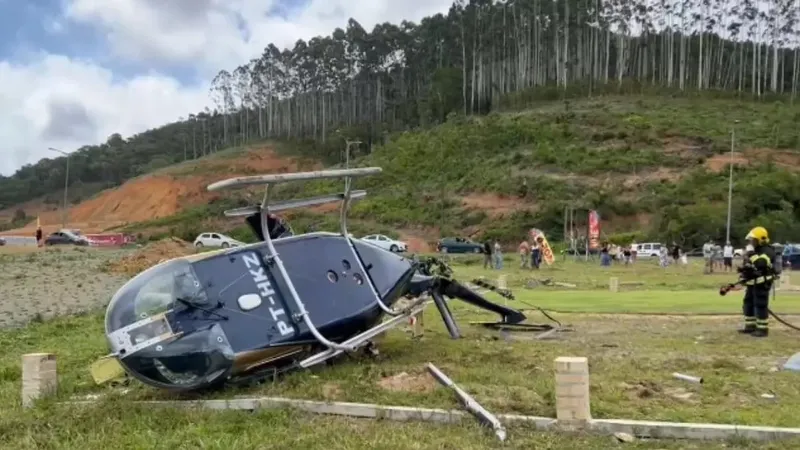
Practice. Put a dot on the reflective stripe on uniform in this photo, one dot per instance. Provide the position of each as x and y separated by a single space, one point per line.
762 323
759 280
755 258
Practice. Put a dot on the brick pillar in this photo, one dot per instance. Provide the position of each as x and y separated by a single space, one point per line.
613 284
39 378
572 390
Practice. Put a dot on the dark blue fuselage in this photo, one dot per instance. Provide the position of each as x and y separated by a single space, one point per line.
326 275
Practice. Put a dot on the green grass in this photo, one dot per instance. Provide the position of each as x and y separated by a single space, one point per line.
631 359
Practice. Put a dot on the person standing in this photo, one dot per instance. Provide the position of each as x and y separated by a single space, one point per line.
676 253
487 255
498 255
727 256
708 257
757 274
536 253
39 242
605 257
524 254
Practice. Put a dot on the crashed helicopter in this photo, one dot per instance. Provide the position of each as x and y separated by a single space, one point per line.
286 302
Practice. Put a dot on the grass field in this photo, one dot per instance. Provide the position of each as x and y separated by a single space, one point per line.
631 359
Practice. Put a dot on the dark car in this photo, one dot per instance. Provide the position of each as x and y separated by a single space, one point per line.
791 256
2 241
458 245
65 238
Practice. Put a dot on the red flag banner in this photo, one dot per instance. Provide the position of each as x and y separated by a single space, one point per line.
594 229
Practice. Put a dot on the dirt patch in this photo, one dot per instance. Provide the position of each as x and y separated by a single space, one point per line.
161 194
43 283
717 163
150 255
687 147
781 158
493 205
331 391
660 174
403 382
418 242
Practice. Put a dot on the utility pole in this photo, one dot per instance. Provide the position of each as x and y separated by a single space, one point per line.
66 187
347 158
730 183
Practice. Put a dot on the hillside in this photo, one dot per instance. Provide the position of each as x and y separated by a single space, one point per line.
160 194
652 165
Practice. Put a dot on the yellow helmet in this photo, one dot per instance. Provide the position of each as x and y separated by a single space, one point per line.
758 234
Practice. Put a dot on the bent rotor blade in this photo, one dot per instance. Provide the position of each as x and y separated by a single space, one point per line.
454 289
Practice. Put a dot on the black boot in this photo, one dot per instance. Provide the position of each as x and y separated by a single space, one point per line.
748 329
760 332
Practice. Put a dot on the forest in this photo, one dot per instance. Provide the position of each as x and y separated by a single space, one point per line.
481 56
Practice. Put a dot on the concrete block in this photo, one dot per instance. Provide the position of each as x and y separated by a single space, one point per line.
39 377
572 390
613 284
418 324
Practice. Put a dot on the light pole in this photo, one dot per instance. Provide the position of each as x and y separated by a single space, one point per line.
730 183
66 187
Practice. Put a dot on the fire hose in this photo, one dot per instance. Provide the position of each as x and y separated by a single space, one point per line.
730 287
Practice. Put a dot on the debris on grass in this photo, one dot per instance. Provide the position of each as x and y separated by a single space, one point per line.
793 363
472 406
689 378
150 255
624 437
533 283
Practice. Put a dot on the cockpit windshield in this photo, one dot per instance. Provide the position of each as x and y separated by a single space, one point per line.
154 291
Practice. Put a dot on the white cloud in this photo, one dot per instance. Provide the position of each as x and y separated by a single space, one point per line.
55 101
211 33
63 103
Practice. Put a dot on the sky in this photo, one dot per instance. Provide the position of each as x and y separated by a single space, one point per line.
73 72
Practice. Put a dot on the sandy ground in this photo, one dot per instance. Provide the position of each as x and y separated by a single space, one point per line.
38 283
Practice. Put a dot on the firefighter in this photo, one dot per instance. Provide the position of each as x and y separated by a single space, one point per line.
757 274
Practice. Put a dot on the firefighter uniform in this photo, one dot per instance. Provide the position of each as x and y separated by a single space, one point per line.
757 274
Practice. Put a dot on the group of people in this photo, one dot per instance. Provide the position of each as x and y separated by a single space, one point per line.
717 257
530 255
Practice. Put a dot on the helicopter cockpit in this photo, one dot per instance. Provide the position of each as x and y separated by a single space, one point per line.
146 334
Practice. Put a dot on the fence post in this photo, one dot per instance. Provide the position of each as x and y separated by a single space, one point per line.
39 377
572 391
613 284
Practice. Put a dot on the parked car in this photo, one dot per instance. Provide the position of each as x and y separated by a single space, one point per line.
651 249
791 256
458 245
2 241
216 240
386 242
67 237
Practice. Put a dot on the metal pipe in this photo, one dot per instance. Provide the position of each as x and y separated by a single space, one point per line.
303 312
689 378
346 197
730 184
472 406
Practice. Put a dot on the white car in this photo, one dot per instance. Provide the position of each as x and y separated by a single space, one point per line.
216 240
386 243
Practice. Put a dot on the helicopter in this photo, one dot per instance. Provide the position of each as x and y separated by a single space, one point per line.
287 302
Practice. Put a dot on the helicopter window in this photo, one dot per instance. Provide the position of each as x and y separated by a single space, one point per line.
346 264
359 279
162 290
